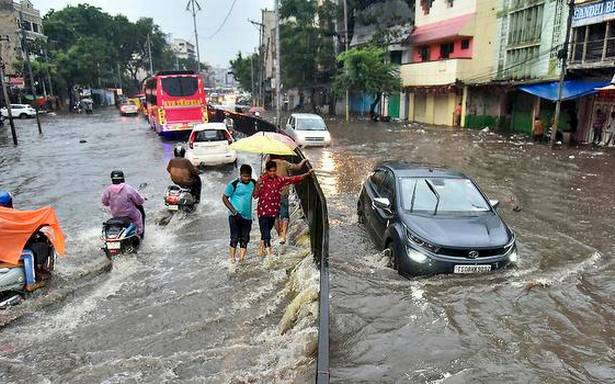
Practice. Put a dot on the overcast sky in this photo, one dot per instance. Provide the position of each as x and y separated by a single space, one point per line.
236 35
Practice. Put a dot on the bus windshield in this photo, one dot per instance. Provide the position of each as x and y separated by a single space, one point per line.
180 86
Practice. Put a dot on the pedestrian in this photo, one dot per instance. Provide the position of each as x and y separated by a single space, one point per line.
268 191
458 115
598 126
237 198
538 130
284 168
229 123
610 130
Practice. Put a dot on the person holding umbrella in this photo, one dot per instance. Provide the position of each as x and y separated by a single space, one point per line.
268 191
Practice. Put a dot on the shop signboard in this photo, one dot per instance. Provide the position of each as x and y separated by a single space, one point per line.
592 13
17 82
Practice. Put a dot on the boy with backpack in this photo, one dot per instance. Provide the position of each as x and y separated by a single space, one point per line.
237 198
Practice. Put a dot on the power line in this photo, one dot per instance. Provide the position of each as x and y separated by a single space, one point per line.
224 21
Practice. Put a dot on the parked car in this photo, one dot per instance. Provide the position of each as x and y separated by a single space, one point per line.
308 129
208 144
23 111
434 220
129 108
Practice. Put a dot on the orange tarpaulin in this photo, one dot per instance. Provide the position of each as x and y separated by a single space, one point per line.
16 228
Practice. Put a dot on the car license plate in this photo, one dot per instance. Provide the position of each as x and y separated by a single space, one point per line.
472 268
114 245
173 207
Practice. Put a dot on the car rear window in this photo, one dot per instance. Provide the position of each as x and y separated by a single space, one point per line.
180 86
210 135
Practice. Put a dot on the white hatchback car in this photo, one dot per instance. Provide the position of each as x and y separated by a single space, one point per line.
308 129
23 111
208 144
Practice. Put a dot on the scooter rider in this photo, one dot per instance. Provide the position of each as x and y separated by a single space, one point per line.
124 201
184 173
6 199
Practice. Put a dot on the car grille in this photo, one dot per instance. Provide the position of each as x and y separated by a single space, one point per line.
314 139
464 252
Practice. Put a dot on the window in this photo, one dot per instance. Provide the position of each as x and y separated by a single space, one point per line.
388 186
525 26
180 86
424 53
210 135
448 195
465 44
426 6
35 27
446 50
27 25
310 124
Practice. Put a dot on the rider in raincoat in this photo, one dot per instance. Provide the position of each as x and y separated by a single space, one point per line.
124 201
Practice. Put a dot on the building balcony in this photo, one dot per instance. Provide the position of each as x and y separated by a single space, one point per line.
434 73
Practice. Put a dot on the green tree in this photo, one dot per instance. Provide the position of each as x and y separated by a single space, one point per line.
307 39
243 68
367 69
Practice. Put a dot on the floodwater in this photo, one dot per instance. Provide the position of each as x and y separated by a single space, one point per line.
176 311
551 320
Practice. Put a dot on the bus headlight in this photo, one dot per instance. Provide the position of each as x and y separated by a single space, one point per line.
416 256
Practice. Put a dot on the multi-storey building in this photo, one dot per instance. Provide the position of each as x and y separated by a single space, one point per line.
9 27
453 48
183 49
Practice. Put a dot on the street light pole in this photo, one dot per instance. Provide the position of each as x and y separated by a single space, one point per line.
277 64
7 101
563 56
47 70
252 78
149 52
346 49
192 4
24 45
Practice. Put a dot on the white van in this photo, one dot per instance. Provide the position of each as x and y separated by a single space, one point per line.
308 129
208 144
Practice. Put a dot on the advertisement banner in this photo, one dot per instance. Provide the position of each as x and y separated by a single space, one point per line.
593 13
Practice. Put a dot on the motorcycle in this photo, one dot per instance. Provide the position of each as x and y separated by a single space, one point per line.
177 198
25 271
120 236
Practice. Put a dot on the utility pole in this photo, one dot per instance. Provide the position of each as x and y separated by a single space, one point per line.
149 52
195 8
346 49
48 74
563 56
252 79
7 101
277 64
119 75
24 47
261 32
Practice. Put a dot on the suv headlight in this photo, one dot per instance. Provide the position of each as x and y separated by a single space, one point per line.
421 243
416 256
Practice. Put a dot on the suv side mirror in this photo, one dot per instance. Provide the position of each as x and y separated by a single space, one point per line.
494 203
382 203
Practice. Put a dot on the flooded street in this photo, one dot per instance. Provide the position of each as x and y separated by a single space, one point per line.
551 320
176 311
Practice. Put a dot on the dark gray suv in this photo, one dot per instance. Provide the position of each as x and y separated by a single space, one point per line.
434 220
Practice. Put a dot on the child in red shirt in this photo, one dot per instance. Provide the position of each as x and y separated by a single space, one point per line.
268 191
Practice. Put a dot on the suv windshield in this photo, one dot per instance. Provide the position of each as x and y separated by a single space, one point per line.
210 135
180 86
441 195
311 124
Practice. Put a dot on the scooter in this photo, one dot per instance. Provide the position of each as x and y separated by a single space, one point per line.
177 198
120 235
36 263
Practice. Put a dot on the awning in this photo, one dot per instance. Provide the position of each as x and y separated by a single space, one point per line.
573 89
441 30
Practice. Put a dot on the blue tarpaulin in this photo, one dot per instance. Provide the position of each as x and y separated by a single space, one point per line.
573 89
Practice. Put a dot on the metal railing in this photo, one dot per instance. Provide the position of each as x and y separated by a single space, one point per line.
314 206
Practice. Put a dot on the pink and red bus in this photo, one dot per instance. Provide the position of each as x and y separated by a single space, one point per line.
176 101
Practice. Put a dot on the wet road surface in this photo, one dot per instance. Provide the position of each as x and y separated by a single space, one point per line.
175 312
551 320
